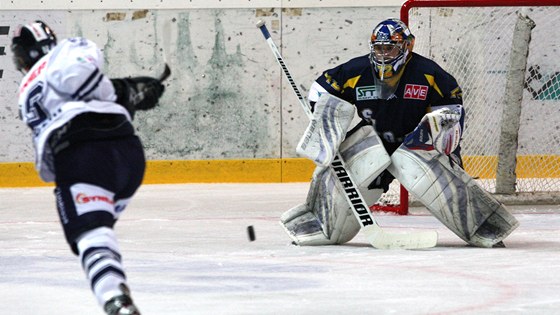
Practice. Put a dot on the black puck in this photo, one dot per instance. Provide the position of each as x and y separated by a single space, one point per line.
251 233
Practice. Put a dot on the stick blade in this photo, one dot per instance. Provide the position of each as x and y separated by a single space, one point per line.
381 239
166 73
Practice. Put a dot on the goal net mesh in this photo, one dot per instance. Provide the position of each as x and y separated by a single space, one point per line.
475 45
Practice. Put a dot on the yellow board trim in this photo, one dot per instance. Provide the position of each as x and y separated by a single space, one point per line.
528 166
23 174
229 171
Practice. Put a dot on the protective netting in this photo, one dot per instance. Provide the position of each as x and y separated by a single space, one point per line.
474 44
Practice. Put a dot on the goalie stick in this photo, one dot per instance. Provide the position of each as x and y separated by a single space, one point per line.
376 236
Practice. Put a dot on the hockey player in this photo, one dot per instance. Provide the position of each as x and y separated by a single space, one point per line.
84 142
411 117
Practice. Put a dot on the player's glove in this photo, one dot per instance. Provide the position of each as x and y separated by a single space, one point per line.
138 93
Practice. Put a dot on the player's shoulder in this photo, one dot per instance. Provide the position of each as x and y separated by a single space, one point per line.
72 58
72 49
357 64
76 44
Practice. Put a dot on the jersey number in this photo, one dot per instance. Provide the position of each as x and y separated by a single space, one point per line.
34 113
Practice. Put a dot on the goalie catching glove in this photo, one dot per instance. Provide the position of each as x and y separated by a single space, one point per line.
138 93
445 128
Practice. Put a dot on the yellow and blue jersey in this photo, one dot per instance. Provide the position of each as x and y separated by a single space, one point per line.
423 85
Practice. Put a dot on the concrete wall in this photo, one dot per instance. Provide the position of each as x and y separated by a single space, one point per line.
227 98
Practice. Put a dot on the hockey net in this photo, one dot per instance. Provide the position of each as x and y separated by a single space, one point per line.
506 57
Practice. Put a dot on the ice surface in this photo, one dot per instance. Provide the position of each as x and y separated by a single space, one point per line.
186 251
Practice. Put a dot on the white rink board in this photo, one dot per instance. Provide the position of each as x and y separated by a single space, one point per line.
227 97
190 4
186 251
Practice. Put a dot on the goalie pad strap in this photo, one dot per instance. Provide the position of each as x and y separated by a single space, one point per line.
326 129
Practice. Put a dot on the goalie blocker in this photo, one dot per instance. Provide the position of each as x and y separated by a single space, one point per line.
326 130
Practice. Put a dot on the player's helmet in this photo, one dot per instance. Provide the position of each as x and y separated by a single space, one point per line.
391 44
30 43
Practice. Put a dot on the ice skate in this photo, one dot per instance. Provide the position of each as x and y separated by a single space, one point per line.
121 304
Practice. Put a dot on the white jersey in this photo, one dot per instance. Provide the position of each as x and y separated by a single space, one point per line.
66 82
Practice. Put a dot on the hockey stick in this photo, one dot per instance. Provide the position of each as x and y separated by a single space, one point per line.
165 74
166 47
376 236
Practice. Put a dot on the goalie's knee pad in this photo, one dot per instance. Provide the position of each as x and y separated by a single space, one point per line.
327 218
452 196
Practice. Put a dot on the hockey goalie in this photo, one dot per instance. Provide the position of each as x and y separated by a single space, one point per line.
410 129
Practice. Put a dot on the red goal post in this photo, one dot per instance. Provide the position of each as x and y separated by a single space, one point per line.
504 54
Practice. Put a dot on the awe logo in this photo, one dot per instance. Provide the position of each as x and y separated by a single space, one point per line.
416 92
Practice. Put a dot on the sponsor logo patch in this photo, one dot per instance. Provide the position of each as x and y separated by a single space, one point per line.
82 198
366 93
415 92
89 198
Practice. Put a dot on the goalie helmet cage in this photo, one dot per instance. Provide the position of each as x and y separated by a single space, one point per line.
505 56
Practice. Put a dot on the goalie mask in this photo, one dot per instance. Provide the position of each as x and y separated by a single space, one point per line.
30 43
391 44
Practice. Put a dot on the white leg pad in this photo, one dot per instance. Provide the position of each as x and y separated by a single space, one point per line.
452 196
326 218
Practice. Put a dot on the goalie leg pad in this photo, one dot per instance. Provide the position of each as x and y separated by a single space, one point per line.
365 155
303 226
326 130
452 196
326 218
497 226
